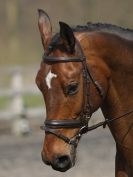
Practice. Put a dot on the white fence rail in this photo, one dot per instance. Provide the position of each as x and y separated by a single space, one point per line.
15 84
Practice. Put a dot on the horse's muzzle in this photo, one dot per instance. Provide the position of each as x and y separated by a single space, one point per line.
60 163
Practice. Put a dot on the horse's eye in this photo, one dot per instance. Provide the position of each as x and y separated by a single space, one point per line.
72 89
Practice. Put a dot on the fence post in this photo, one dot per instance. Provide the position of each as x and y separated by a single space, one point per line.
20 124
17 100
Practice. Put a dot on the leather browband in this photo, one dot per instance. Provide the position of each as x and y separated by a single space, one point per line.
49 59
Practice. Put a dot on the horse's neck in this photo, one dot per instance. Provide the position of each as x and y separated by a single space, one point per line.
119 100
117 54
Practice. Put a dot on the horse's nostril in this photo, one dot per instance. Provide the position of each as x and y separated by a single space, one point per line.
63 160
62 163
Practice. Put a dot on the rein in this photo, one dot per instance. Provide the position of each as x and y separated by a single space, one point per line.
53 126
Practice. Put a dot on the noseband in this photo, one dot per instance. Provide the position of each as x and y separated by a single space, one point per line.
52 126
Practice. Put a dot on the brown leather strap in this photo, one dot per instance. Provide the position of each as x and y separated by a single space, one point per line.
49 59
56 124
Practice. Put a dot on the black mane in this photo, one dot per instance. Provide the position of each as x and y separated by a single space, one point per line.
99 27
103 27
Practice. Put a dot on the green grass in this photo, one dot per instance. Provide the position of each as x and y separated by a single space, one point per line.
30 101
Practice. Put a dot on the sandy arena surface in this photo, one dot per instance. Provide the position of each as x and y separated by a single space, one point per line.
20 156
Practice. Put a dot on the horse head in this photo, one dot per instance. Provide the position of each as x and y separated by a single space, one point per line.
73 88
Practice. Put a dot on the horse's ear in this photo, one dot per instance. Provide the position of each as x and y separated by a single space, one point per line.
45 27
67 36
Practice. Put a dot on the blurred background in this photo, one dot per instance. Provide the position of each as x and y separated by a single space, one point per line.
22 109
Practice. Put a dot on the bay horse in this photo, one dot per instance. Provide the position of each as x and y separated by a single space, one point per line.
83 69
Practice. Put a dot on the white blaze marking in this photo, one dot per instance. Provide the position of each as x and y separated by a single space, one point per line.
49 78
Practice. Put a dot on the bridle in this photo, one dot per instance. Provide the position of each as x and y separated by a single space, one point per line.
53 126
